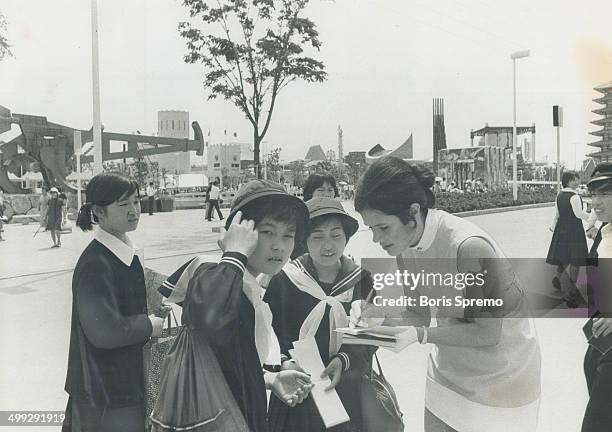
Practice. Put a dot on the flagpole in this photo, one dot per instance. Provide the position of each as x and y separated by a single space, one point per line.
95 72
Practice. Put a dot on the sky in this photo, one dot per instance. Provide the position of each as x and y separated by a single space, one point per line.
386 60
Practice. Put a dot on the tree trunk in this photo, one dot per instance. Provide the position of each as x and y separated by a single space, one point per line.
256 150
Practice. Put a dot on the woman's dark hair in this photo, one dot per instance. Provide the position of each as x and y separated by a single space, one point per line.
316 222
315 181
567 177
279 208
391 185
102 190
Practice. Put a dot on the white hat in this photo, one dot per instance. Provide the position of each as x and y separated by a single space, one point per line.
53 189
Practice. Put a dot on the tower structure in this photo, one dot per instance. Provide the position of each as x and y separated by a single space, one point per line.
173 124
439 133
604 145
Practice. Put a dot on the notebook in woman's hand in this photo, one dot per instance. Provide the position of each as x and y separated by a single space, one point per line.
603 343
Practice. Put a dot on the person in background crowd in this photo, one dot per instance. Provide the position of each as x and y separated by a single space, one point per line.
443 184
568 247
64 197
55 216
320 185
110 325
295 295
597 365
437 188
43 205
479 186
213 201
484 373
151 197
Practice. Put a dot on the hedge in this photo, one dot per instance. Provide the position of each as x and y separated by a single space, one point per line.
453 202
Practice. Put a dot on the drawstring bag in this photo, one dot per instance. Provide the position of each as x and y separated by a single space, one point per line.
193 394
379 407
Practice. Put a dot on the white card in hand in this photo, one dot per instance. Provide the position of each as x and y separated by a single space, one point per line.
328 403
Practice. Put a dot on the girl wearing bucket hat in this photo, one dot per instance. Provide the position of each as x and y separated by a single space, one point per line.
598 364
227 326
310 298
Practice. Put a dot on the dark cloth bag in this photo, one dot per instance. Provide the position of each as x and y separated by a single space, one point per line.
193 393
159 347
379 407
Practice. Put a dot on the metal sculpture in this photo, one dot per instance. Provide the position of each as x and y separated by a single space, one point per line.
49 148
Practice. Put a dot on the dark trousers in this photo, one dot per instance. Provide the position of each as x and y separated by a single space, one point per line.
213 204
81 417
598 373
151 204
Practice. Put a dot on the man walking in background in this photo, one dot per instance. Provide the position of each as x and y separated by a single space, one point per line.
213 201
151 194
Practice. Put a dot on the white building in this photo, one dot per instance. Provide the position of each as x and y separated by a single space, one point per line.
173 124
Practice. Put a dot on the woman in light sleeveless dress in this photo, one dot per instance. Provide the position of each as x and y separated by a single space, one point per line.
484 370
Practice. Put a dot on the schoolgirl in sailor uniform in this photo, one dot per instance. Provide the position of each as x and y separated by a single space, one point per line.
310 298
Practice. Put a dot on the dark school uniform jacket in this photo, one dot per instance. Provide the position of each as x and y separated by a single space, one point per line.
109 327
216 307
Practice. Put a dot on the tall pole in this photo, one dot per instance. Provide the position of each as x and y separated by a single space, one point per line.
95 72
77 151
558 159
514 184
514 56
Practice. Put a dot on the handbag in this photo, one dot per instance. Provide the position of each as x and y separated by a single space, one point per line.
159 347
379 407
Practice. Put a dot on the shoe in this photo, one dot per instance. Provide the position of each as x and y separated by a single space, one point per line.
574 299
54 246
556 283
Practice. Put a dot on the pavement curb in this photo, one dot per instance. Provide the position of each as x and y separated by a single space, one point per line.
503 209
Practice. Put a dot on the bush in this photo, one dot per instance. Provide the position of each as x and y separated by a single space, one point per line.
453 202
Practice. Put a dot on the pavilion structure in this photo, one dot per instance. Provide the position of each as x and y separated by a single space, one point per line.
604 145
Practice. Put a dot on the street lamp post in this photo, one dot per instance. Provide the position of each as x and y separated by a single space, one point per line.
514 56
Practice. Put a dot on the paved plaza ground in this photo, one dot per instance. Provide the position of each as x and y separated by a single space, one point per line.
35 300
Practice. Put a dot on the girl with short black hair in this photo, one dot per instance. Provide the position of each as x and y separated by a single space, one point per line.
110 324
568 246
320 185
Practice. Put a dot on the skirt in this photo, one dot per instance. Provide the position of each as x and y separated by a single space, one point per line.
305 417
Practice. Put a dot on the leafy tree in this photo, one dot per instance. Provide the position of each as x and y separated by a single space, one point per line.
273 165
5 47
257 50
298 172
